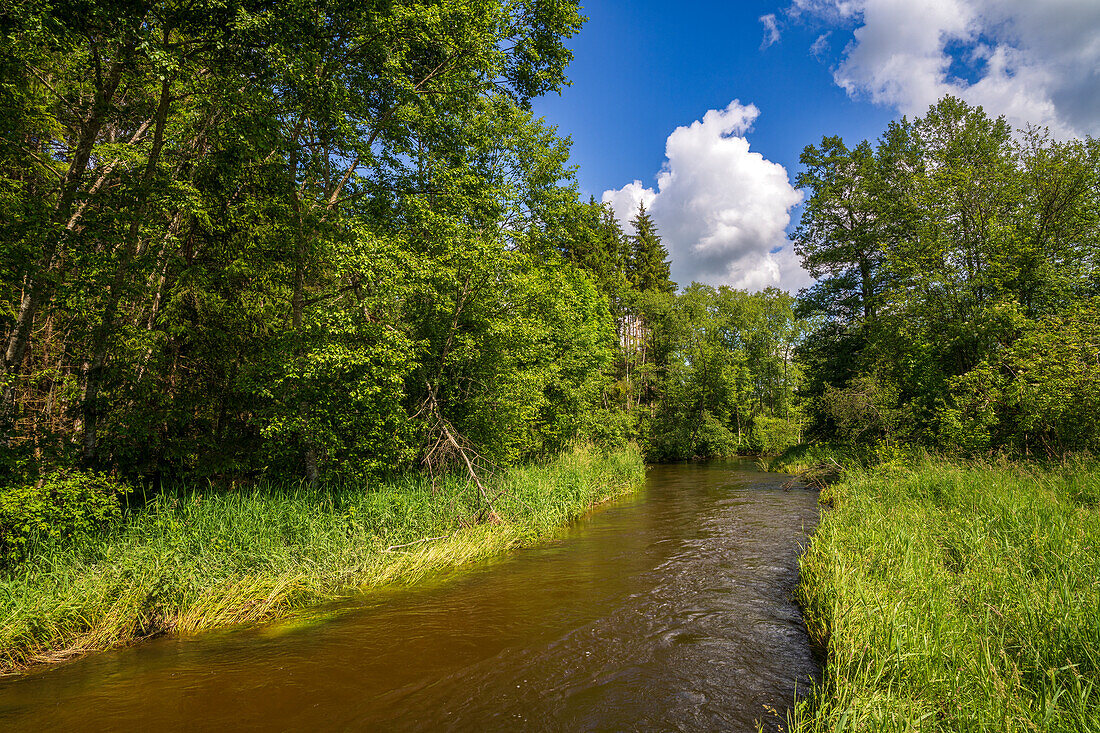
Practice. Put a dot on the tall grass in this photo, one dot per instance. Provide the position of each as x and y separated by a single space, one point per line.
194 559
957 598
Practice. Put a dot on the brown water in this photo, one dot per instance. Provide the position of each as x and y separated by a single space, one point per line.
670 610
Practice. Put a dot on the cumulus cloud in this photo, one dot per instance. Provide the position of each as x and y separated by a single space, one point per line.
721 209
771 30
626 200
1033 62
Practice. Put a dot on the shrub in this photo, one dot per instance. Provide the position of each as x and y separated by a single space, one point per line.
864 411
713 439
64 506
773 435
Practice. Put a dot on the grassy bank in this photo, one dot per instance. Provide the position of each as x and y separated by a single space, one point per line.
957 598
194 560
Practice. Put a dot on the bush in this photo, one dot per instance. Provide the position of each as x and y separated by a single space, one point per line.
65 506
863 412
1054 389
969 420
773 435
713 439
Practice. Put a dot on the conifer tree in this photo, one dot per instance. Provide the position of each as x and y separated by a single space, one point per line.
648 267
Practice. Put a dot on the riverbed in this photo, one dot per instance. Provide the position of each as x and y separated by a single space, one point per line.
668 610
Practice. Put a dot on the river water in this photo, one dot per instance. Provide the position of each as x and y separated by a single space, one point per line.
668 610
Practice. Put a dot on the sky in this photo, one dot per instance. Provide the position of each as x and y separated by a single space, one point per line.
700 109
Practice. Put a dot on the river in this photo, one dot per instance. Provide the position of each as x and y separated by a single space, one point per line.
668 610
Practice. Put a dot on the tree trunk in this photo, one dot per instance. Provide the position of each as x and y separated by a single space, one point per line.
64 222
867 288
101 338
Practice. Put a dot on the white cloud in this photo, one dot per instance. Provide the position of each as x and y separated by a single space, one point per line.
1034 61
625 201
821 45
720 208
829 10
771 30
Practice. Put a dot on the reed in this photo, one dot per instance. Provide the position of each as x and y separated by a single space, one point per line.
956 597
194 559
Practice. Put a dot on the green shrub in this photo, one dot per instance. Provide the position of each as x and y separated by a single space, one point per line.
773 435
713 439
64 506
864 411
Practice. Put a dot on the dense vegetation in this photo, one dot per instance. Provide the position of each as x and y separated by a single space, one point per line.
293 239
328 241
718 376
957 311
957 598
958 305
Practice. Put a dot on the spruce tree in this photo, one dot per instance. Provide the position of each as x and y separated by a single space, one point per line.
648 267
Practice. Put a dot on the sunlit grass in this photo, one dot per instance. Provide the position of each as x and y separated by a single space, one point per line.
194 559
957 598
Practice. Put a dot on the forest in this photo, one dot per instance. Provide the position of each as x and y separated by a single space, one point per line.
331 243
956 306
311 263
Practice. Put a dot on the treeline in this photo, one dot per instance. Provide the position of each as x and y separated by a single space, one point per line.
329 240
297 238
720 375
957 303
702 373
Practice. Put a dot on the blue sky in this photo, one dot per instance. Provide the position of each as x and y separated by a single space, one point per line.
640 70
644 71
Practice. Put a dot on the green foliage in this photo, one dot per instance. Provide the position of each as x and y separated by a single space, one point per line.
956 598
771 435
647 266
969 420
840 233
862 412
1053 382
231 280
721 377
63 508
589 236
959 272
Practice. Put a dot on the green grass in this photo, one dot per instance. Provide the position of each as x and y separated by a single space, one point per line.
956 598
193 560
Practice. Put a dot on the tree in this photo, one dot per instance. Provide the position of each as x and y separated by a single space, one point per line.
648 267
227 277
588 234
980 241
728 376
840 235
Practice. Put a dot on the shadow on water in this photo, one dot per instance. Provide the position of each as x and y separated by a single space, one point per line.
670 610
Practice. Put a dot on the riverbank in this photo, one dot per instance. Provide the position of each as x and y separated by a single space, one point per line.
956 597
194 560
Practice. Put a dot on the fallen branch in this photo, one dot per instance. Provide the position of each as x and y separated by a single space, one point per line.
819 475
448 445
